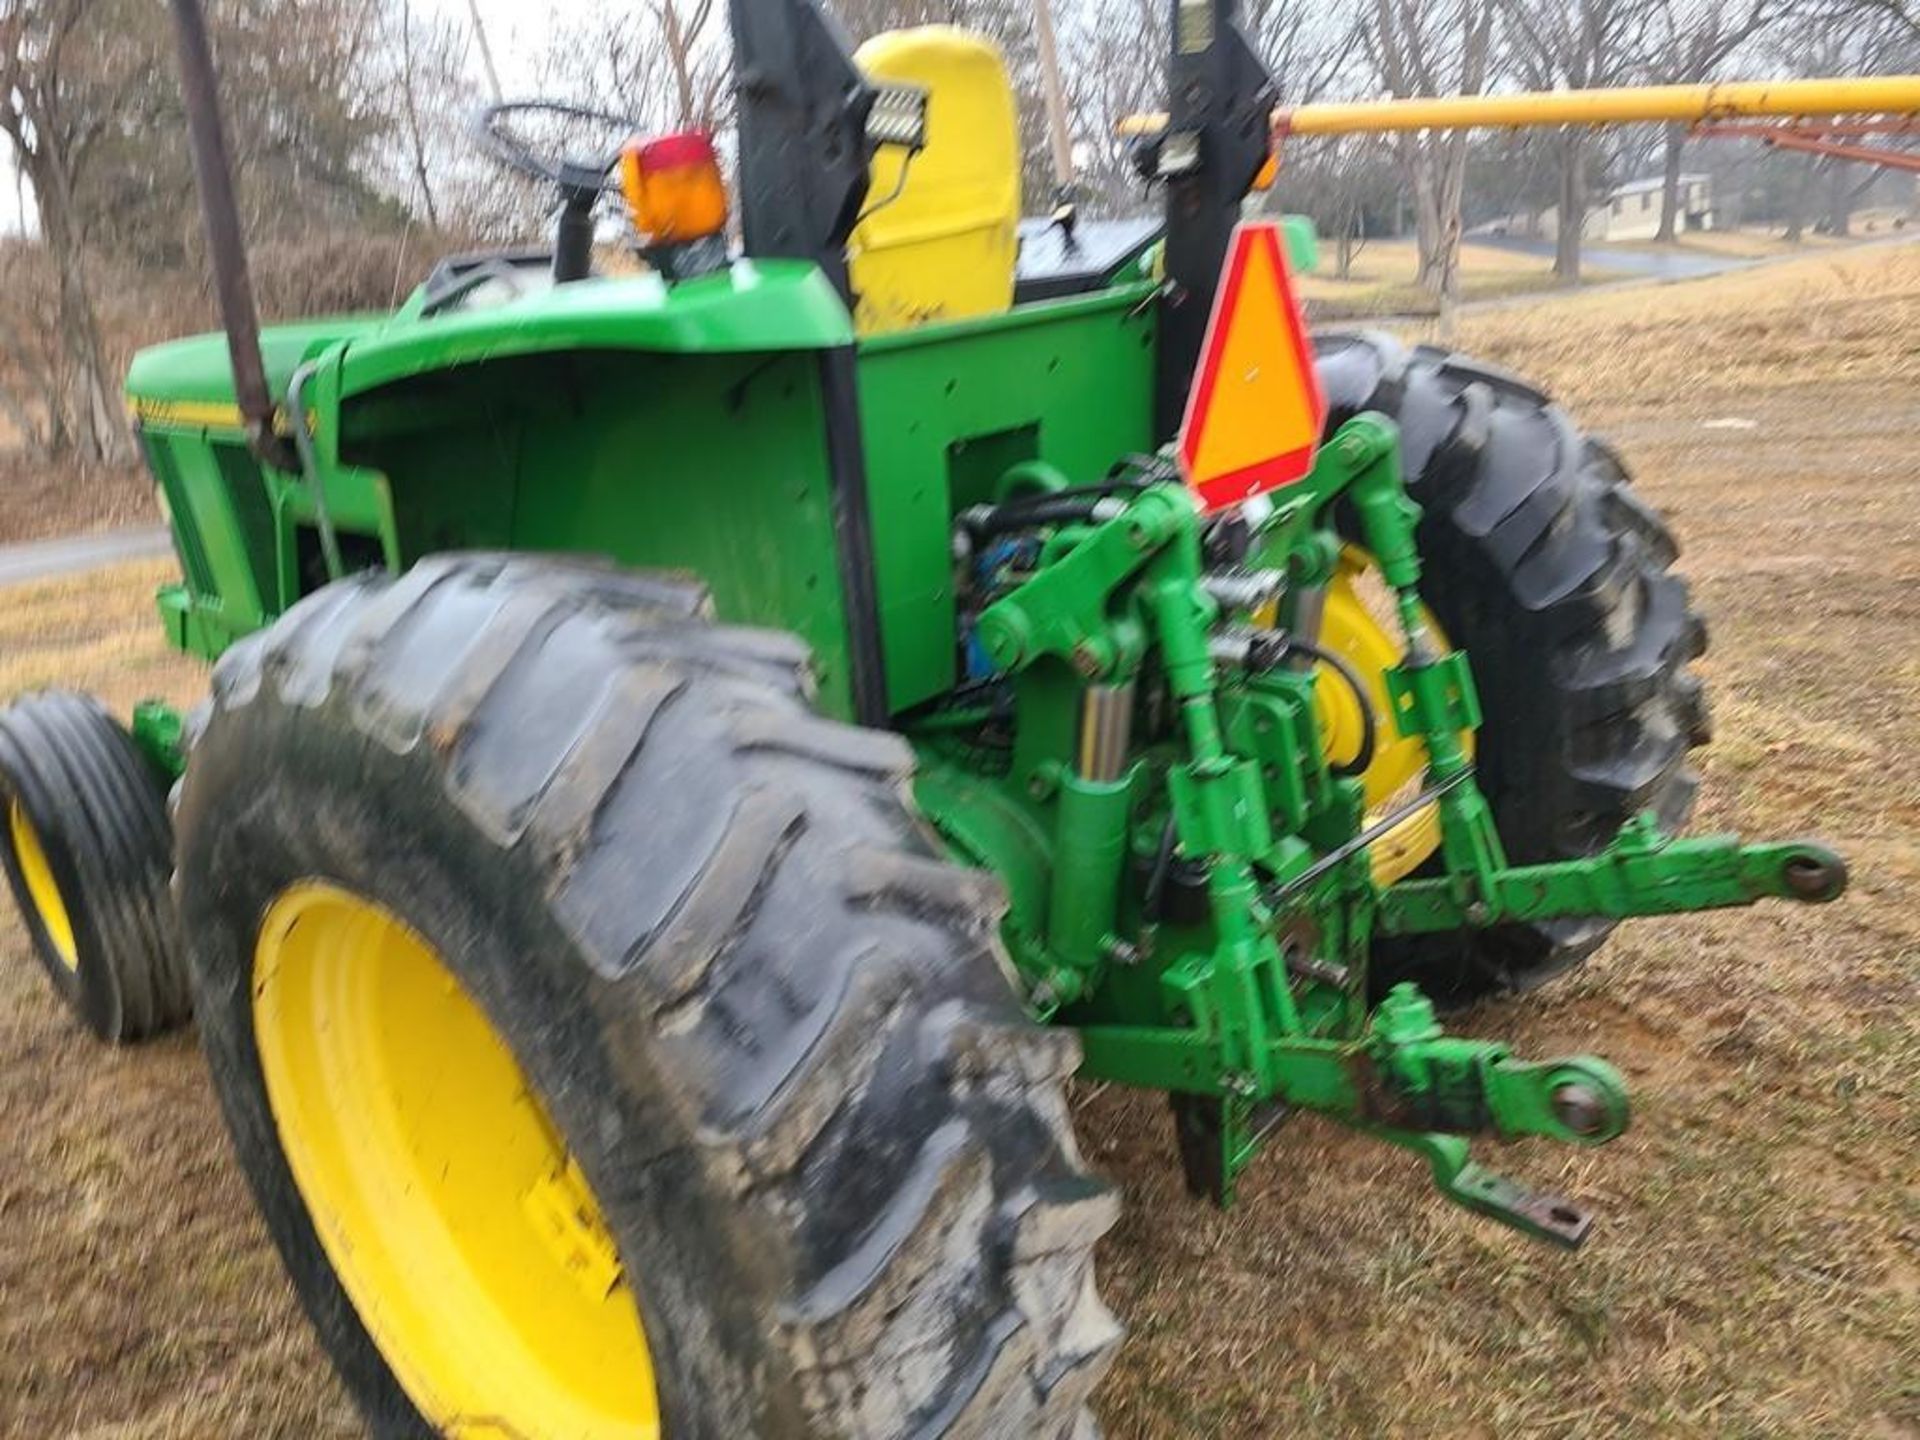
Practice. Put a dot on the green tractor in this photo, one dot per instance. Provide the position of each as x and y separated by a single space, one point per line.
699 758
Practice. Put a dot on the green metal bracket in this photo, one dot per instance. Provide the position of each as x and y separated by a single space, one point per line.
1090 851
1406 1074
1439 694
1408 1083
1643 872
1438 1082
158 732
1222 807
1262 1010
1064 610
1551 1218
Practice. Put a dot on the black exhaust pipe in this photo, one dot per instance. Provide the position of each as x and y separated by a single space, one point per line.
213 177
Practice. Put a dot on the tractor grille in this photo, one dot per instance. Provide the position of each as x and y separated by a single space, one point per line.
253 515
186 529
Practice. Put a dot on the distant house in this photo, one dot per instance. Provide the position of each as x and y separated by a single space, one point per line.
1630 212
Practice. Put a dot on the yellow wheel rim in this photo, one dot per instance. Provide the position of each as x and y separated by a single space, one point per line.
42 893
1358 626
450 1208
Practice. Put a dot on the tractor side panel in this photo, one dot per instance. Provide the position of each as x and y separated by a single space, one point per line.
231 519
945 410
710 463
216 504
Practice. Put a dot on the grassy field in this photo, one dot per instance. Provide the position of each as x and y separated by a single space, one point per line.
1756 1270
1765 242
1381 280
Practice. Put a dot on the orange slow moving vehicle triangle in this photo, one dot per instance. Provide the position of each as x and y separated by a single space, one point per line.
1256 408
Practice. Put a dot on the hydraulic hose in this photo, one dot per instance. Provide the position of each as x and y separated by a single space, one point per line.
1369 722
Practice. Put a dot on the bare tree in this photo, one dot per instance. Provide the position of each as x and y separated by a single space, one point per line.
38 42
1114 67
1840 37
665 63
1352 186
486 51
410 99
698 74
1434 47
1309 49
1693 39
1576 45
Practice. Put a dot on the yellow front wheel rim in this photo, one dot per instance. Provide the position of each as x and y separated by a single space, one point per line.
1355 626
453 1213
43 893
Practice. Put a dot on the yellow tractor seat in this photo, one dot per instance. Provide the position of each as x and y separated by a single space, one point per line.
941 232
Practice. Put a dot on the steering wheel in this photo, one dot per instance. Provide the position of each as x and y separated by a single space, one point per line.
579 181
493 126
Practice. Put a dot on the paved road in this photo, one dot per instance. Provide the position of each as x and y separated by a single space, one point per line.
1664 265
40 559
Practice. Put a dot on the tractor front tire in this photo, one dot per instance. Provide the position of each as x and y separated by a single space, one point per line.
1556 579
608 1047
89 852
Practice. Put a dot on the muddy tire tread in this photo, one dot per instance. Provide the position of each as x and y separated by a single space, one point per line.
851 1072
1557 579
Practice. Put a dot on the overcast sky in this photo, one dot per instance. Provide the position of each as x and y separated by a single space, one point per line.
516 30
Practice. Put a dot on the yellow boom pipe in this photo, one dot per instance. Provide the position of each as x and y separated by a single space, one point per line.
1687 104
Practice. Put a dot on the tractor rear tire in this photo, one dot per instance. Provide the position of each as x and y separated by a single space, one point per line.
89 852
772 1027
1557 580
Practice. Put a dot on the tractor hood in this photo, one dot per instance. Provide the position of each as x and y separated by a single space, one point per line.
189 382
750 306
763 305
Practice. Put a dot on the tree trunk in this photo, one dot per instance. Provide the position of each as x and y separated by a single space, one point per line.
1797 207
1343 249
1453 185
680 60
1436 164
420 174
1429 228
1842 194
1437 173
1849 189
1670 185
1573 209
96 418
93 420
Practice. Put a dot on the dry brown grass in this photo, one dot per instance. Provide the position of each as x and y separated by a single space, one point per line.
1749 339
139 1299
42 499
1757 1268
1382 280
1760 242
